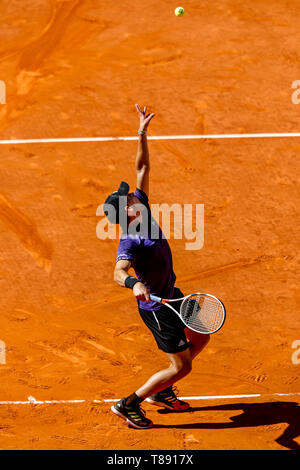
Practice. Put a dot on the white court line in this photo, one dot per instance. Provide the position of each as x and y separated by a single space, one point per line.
159 137
33 401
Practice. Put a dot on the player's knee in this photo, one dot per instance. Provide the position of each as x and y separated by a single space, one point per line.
183 368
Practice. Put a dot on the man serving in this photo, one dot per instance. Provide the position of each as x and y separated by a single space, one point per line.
144 248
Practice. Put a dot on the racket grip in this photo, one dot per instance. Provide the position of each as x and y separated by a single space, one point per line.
155 299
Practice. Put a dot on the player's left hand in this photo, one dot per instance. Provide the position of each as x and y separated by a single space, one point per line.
144 117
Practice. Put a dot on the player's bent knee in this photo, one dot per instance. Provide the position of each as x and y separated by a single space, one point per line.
181 363
183 368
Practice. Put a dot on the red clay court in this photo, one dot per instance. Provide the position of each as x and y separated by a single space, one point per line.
74 69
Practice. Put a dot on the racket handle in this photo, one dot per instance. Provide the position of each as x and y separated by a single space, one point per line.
155 299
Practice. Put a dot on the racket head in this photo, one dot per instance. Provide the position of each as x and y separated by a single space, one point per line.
203 313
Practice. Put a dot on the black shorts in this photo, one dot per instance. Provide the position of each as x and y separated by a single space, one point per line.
166 327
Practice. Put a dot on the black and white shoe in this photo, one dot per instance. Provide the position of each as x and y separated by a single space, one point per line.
134 416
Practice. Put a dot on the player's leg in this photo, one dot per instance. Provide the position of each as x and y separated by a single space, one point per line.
180 366
129 409
166 397
160 385
168 331
197 341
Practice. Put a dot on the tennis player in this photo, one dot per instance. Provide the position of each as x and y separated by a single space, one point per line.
144 248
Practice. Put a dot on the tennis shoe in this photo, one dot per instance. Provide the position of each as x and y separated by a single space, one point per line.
168 399
133 415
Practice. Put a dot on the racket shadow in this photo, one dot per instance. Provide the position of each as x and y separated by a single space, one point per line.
252 415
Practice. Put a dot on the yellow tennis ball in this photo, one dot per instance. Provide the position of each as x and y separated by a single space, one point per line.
179 11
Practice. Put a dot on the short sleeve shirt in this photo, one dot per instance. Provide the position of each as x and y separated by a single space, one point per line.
150 256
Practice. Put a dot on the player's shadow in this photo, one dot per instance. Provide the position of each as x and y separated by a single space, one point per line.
253 414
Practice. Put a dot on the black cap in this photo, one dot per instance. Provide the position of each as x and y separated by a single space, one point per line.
116 203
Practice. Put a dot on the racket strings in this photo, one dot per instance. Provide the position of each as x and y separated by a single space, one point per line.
202 313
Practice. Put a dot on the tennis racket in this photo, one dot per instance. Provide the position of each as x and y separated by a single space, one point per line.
202 313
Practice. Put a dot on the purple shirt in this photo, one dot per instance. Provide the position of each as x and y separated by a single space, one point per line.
150 256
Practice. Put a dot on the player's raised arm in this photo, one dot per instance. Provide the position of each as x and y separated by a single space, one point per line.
142 163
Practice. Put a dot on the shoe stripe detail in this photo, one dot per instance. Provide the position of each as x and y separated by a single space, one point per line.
148 424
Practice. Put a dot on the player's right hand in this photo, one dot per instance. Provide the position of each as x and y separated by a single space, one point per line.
141 292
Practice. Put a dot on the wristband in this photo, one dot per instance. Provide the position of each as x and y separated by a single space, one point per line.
140 132
130 281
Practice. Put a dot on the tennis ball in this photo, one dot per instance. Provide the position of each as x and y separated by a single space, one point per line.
179 11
